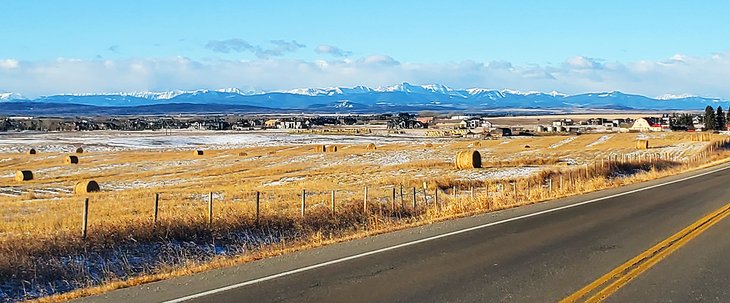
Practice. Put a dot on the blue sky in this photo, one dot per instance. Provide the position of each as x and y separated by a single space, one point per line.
570 46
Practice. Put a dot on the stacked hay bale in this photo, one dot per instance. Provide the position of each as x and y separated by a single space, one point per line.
332 149
71 160
371 146
32 151
79 150
320 148
85 187
468 159
23 175
642 144
198 152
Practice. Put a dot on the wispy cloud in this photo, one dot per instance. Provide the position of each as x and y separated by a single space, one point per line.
705 76
278 47
9 64
332 50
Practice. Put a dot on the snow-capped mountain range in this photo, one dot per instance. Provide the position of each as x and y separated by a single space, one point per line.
400 97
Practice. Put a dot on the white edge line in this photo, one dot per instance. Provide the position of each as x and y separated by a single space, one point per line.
414 242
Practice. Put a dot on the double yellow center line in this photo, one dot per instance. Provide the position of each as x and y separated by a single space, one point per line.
611 282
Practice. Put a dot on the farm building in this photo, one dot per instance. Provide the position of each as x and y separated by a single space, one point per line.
646 125
500 132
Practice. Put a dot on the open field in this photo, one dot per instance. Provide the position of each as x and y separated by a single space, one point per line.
42 252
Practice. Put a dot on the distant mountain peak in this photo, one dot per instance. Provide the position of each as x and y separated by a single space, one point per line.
674 97
10 96
399 97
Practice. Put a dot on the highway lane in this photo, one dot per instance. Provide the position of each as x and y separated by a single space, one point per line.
698 272
538 258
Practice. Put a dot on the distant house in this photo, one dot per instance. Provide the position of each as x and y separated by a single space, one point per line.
500 132
473 123
647 124
460 117
425 120
291 125
271 123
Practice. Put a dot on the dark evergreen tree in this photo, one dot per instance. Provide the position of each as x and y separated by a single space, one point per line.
682 122
709 119
720 117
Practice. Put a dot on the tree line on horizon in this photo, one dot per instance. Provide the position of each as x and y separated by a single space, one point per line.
713 119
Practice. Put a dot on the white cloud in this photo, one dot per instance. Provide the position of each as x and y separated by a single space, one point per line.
704 76
237 45
580 62
332 50
379 60
9 64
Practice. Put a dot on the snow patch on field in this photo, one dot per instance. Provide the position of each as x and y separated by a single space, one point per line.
497 174
121 141
600 140
563 142
116 186
283 181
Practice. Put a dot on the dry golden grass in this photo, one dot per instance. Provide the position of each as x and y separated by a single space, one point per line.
45 217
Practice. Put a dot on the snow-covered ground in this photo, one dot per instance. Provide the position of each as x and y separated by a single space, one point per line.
563 142
498 173
119 141
600 140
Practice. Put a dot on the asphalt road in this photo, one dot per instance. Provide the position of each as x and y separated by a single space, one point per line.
541 253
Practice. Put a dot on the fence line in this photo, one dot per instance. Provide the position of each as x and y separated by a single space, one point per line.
488 194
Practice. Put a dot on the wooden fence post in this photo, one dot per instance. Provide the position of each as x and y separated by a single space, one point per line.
514 189
402 201
304 200
210 209
85 219
472 192
157 204
333 202
392 201
365 201
258 206
414 199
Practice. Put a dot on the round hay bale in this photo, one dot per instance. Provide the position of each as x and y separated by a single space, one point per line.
79 150
242 154
85 187
320 148
332 149
477 143
642 144
32 151
272 152
468 159
372 146
23 175
198 152
527 146
429 144
71 160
